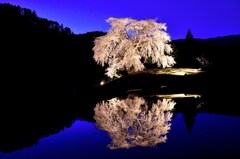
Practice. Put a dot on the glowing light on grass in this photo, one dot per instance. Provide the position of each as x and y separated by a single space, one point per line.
102 83
172 71
180 95
179 71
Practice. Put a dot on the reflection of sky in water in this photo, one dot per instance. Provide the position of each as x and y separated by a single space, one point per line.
212 136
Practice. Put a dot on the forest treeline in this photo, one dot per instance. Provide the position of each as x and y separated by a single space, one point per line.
40 56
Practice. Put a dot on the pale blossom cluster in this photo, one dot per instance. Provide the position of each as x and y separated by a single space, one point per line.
130 43
203 61
132 122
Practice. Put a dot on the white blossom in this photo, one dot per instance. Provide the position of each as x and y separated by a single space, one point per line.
129 43
131 122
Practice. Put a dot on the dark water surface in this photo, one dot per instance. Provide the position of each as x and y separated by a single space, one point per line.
123 128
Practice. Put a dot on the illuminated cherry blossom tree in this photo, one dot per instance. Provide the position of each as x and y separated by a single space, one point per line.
131 122
130 43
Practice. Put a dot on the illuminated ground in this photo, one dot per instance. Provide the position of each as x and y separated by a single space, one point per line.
160 71
180 95
172 71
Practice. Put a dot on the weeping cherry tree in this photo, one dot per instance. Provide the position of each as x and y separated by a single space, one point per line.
130 43
134 122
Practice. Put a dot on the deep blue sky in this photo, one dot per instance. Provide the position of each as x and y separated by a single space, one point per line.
205 18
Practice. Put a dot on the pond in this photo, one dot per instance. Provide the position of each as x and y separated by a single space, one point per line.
133 126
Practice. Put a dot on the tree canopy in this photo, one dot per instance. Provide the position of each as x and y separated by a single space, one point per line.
134 122
130 43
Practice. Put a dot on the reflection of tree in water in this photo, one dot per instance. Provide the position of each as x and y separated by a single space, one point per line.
131 122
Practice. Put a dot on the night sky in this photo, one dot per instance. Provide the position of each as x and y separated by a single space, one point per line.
205 18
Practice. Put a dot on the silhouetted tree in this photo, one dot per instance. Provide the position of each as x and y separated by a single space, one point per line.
189 35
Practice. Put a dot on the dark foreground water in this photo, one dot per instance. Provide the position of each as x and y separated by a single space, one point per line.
132 127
